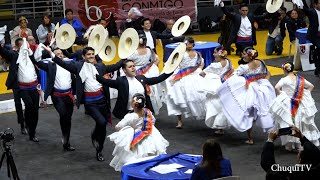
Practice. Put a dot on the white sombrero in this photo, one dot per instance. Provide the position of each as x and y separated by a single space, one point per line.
273 5
128 43
65 36
53 38
96 38
181 26
108 51
174 59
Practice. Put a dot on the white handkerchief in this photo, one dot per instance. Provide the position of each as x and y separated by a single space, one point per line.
24 54
88 70
38 52
3 29
217 2
189 171
299 3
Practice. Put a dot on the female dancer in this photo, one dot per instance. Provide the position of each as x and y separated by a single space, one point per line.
137 136
245 97
294 105
182 93
215 74
146 62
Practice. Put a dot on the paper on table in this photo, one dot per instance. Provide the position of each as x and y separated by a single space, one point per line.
163 169
200 42
167 168
189 171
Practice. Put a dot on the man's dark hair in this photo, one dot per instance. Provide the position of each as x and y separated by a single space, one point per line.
86 49
124 64
144 20
243 5
54 49
102 20
16 42
68 10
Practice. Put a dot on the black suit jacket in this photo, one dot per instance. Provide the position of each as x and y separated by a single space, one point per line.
267 160
274 22
11 57
314 22
169 41
155 35
122 85
236 21
51 69
75 68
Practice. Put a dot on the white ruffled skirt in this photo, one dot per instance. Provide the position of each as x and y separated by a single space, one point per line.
183 98
243 106
154 144
215 117
281 112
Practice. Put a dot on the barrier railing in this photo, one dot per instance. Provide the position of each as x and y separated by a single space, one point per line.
13 9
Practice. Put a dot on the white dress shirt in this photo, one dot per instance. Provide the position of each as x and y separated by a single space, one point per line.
134 87
245 27
150 42
318 12
26 70
63 79
88 74
276 31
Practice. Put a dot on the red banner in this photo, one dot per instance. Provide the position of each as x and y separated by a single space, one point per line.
90 11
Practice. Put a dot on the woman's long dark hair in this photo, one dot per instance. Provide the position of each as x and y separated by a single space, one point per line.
212 155
48 26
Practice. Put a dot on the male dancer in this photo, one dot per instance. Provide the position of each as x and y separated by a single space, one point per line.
59 86
91 93
23 76
313 34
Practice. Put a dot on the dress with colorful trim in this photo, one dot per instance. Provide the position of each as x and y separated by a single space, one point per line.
215 75
182 86
286 112
246 97
145 66
137 138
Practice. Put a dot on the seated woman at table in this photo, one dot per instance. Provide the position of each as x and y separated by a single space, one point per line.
213 164
182 87
137 137
299 113
247 95
146 62
214 75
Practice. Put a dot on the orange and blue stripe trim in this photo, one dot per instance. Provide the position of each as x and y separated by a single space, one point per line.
184 72
144 69
145 131
228 73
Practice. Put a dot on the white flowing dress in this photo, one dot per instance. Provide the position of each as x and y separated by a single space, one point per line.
156 90
154 144
304 119
182 96
215 117
242 106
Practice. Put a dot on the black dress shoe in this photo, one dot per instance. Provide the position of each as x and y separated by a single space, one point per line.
68 147
24 131
99 156
34 139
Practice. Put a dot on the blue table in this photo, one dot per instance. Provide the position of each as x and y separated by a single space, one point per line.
205 48
141 170
301 35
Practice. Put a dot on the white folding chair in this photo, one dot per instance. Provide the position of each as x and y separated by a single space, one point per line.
229 178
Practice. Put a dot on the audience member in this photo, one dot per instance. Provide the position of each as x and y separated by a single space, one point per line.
294 22
213 164
309 156
277 32
32 43
75 23
20 31
45 30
